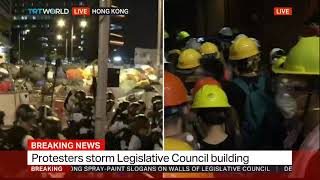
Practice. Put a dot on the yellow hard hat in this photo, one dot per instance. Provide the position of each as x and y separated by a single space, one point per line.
303 58
243 47
175 144
210 96
189 59
182 35
209 48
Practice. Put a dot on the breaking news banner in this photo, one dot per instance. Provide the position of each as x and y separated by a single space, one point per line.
89 156
78 11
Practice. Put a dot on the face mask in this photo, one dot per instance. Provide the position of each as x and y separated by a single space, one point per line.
287 104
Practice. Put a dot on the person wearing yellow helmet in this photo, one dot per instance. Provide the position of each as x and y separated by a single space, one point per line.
250 94
245 56
209 48
189 59
297 92
182 35
188 67
212 62
213 108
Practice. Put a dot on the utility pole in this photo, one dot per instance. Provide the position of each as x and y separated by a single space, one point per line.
66 50
103 55
71 40
19 39
159 33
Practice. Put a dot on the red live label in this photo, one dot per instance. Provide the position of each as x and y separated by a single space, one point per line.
282 11
80 11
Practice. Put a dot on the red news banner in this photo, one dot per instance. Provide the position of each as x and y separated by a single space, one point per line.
52 145
16 162
62 145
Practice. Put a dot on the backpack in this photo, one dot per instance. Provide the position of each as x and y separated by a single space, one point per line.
258 105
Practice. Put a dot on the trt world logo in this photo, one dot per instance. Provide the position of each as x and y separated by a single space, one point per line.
48 11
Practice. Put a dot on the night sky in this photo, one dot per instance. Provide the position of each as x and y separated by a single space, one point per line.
141 24
140 30
140 27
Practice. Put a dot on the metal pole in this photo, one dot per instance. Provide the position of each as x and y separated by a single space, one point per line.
66 48
71 42
19 39
103 55
159 38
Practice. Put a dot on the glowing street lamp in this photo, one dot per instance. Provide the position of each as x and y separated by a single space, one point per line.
59 37
83 23
61 23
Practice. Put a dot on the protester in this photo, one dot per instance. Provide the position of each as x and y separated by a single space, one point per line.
134 127
213 108
18 136
176 109
188 64
51 128
250 94
297 92
212 62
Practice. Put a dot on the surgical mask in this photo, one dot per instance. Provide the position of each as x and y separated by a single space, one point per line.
287 105
285 102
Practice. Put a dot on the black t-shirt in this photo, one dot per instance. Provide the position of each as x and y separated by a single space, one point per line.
15 137
227 144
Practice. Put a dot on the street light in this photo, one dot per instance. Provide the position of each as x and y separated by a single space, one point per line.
61 23
24 32
83 23
59 37
117 58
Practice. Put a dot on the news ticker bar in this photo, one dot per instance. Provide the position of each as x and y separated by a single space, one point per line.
77 11
160 168
175 158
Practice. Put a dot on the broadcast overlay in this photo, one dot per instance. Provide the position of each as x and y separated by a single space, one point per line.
77 11
159 89
89 156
